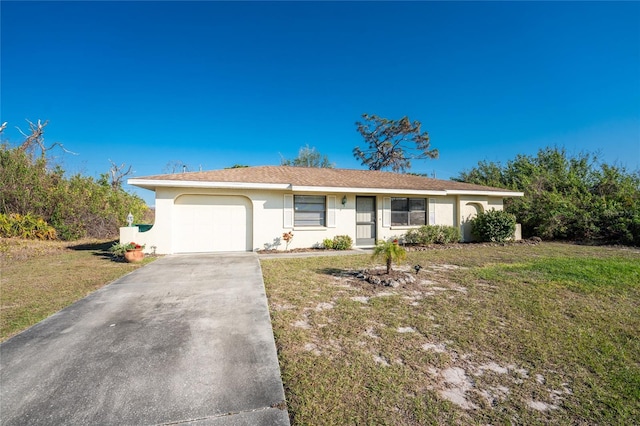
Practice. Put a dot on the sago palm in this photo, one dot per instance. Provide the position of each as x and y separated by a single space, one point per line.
390 251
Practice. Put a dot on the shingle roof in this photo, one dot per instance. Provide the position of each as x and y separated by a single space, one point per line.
319 177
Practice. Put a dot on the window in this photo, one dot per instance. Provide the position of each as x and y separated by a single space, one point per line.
408 211
309 210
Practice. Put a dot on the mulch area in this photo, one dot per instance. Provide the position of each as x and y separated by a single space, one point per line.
530 241
297 250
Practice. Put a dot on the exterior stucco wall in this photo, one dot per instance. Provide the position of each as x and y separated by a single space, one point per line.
468 206
268 217
445 214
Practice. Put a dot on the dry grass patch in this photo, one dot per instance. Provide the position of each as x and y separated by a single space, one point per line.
486 335
38 278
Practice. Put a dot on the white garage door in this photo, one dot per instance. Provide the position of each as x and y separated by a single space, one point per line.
207 223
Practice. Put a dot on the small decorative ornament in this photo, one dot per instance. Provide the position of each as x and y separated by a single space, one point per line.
287 236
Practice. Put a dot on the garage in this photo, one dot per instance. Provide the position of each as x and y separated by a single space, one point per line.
212 223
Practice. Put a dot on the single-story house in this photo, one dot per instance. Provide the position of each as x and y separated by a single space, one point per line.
247 209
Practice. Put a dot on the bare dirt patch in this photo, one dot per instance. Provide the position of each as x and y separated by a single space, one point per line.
467 380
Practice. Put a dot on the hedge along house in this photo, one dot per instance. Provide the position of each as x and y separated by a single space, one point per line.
247 209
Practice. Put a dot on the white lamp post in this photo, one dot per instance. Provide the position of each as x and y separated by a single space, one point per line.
130 219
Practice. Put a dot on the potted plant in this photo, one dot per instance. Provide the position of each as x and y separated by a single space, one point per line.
133 252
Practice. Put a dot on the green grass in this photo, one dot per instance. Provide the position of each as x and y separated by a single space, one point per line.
38 278
546 334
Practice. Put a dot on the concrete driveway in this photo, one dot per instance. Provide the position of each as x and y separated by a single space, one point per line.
186 339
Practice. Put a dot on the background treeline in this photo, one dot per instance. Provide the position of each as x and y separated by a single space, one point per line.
76 206
567 197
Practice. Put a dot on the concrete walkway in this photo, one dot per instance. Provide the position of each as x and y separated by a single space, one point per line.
186 339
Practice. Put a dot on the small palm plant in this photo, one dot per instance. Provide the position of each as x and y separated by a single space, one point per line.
390 251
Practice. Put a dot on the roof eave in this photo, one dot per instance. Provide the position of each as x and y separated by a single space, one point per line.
153 183
348 190
481 192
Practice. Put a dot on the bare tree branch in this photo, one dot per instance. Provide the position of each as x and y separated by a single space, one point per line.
176 166
36 138
118 173
392 143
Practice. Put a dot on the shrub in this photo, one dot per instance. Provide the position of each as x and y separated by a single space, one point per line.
327 243
25 226
342 242
433 234
568 197
75 206
339 242
118 250
493 226
450 234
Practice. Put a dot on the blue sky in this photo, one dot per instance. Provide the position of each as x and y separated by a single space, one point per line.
212 84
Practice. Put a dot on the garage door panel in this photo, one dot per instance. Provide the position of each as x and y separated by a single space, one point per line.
206 223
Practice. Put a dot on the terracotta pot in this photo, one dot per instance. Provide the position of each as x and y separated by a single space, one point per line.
135 255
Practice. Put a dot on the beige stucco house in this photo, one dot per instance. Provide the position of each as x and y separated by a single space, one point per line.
246 209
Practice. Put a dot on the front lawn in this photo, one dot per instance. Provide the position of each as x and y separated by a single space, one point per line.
38 278
545 334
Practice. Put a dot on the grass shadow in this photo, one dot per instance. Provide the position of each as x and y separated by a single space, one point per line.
98 246
100 249
335 272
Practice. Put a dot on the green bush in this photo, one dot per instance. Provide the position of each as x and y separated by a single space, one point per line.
118 250
327 243
494 226
432 234
76 206
342 242
339 242
25 226
567 197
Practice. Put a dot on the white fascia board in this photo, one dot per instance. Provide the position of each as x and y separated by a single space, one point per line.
489 193
343 190
151 183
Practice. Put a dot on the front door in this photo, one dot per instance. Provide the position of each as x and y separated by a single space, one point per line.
365 221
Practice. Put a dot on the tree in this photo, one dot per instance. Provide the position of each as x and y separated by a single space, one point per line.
390 251
391 143
117 174
308 157
76 206
567 197
36 139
